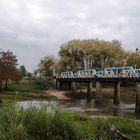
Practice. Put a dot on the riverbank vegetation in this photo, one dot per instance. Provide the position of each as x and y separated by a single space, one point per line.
39 124
38 89
27 89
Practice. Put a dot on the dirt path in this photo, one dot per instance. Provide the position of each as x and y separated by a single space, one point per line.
61 95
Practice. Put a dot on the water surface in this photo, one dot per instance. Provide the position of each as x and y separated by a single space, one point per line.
85 105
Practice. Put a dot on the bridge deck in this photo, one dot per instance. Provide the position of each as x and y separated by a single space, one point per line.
108 80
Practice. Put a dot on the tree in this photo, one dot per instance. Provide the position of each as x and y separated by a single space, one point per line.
46 65
8 69
29 74
22 71
133 59
95 53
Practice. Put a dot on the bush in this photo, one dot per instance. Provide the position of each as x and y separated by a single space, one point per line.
19 124
11 120
43 84
39 124
64 126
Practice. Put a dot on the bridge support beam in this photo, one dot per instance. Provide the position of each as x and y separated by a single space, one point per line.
98 97
73 86
61 85
137 107
89 88
116 98
55 82
69 85
57 85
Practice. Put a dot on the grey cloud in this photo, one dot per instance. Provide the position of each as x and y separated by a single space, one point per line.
35 28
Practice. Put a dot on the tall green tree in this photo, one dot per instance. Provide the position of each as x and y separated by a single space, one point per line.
22 71
47 65
133 59
95 53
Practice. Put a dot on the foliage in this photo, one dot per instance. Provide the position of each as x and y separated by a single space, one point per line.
39 124
46 65
97 53
8 69
22 71
27 89
43 84
29 74
133 59
30 85
88 54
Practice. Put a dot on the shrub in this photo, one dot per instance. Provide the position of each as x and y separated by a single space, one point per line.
11 123
39 124
64 126
43 84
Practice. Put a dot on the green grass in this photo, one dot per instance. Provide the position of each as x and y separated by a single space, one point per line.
129 127
25 96
39 124
26 89
23 86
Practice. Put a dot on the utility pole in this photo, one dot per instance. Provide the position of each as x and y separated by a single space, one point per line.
136 58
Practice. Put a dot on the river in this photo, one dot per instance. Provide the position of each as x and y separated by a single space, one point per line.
88 106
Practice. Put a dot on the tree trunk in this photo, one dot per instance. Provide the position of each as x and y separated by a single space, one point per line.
6 84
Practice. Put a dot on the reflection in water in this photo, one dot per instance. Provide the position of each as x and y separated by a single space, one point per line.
89 106
50 105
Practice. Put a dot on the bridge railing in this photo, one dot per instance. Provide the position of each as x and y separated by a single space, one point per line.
128 71
113 72
99 74
137 71
68 74
86 73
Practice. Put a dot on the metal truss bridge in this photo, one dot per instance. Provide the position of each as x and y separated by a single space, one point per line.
114 75
107 74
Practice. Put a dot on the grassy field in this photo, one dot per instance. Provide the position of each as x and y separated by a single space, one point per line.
25 90
39 124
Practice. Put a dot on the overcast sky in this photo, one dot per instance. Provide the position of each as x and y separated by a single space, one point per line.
33 29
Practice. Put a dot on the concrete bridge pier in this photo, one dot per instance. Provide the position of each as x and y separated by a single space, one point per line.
69 85
55 82
116 98
137 106
89 89
73 87
59 85
98 97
